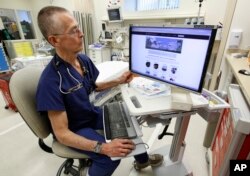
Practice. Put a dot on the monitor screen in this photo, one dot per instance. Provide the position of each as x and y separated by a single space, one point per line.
178 56
114 14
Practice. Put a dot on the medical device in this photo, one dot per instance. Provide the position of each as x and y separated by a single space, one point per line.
178 56
114 14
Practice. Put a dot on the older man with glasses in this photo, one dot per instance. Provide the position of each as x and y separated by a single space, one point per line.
63 94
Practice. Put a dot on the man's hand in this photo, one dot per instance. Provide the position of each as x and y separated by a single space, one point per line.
118 148
126 77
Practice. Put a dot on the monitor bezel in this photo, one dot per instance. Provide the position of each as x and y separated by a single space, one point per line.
206 62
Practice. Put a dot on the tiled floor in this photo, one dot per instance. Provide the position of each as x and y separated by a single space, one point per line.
20 154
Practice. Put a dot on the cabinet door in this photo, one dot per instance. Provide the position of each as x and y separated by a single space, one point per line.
95 56
98 56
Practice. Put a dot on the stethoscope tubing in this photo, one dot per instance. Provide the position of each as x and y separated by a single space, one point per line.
56 64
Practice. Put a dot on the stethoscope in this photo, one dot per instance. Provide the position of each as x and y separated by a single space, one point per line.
56 63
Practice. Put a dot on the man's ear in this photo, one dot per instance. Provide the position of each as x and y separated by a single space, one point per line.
53 40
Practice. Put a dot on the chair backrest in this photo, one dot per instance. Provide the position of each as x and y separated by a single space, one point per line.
23 86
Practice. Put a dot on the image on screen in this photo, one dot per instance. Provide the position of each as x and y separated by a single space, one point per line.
178 56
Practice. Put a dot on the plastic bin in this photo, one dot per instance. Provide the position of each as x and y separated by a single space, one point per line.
211 114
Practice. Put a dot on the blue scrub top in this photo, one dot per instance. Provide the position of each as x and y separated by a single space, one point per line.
81 113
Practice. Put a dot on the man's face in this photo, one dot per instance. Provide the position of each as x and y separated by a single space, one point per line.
69 40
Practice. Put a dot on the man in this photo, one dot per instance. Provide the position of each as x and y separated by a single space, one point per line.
63 93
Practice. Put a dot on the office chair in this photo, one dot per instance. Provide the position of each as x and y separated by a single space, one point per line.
23 85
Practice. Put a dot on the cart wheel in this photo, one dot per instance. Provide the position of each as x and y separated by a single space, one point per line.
6 107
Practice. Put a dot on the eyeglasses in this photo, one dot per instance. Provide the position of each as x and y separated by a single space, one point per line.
75 31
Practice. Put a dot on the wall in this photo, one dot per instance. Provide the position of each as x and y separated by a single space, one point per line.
35 5
240 21
241 12
16 4
38 4
215 11
212 9
187 7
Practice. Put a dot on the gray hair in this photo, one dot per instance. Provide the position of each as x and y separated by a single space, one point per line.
47 22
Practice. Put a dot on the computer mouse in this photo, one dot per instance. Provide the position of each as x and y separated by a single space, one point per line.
244 72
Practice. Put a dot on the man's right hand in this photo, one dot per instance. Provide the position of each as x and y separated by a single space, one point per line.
118 147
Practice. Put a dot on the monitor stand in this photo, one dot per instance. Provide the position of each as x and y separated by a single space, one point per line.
178 168
173 153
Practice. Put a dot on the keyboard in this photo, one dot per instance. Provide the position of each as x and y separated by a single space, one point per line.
117 122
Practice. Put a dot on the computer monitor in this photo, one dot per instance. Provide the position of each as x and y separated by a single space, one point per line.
114 14
178 56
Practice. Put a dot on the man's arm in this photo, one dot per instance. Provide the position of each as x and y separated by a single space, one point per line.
124 78
59 123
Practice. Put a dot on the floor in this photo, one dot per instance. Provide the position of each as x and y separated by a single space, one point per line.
20 154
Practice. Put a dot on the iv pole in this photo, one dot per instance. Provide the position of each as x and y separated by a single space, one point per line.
199 12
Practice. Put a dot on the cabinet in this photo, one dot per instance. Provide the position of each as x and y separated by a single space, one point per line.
99 54
232 136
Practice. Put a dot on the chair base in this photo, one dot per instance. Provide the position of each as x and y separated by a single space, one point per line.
68 167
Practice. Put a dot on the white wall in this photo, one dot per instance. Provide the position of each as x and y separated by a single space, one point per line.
16 4
35 5
186 7
38 4
213 9
240 21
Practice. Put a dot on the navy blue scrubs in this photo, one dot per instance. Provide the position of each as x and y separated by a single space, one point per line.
83 117
81 113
